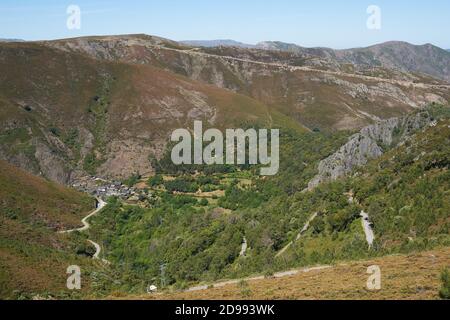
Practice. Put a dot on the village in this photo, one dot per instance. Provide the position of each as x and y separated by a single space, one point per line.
104 189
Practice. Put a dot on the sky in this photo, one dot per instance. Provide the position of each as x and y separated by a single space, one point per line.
327 23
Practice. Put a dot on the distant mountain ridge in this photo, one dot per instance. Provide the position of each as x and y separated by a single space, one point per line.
11 40
216 43
427 59
397 55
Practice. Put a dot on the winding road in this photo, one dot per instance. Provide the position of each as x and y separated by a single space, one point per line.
98 249
370 237
101 204
365 221
243 248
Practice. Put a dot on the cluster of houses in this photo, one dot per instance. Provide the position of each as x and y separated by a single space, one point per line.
115 189
103 188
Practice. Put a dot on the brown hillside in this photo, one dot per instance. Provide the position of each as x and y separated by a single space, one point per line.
415 276
63 112
33 257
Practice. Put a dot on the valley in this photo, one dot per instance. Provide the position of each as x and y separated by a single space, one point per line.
181 226
364 153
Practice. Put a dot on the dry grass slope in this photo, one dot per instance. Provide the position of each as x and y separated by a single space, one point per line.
33 257
415 276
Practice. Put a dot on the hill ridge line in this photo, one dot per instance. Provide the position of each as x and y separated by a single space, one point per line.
308 69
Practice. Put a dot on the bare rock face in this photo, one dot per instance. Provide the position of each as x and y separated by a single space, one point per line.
51 165
370 143
127 157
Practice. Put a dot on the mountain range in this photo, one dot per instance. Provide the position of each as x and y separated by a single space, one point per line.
406 57
217 43
104 105
364 157
11 40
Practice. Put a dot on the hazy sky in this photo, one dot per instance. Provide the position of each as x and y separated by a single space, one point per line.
331 23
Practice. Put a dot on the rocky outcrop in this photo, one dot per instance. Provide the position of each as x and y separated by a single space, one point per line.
370 143
51 165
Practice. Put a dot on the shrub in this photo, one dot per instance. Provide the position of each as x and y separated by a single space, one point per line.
317 225
444 293
55 131
245 289
182 185
155 181
342 219
133 179
91 163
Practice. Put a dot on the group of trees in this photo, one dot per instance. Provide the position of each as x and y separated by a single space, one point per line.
405 193
186 183
237 197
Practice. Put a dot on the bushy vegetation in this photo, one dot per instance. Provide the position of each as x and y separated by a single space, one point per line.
98 117
236 197
182 184
200 241
34 257
133 179
155 181
444 293
405 193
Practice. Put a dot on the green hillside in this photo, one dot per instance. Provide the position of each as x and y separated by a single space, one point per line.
405 193
98 110
33 257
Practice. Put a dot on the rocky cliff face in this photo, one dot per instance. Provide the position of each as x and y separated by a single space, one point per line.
370 143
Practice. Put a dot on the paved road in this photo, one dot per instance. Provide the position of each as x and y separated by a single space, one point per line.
98 249
370 237
276 275
243 248
304 229
86 226
367 226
